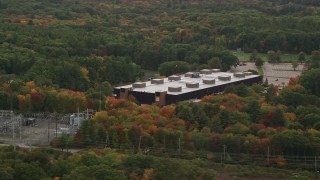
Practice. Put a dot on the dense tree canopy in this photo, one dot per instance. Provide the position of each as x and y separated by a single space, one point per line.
62 42
173 67
311 81
63 56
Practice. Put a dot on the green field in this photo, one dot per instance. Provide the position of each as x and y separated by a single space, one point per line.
284 57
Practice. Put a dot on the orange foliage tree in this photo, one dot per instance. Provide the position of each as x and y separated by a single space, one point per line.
37 99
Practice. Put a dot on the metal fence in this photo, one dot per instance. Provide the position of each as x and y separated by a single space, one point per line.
38 128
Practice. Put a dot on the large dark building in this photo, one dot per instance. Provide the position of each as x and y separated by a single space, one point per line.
184 87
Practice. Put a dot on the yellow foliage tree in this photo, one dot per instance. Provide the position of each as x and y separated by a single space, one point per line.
281 161
24 102
314 132
31 84
100 116
85 73
291 117
147 174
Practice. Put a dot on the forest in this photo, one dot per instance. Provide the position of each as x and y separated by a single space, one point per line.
241 133
58 56
244 120
108 164
60 42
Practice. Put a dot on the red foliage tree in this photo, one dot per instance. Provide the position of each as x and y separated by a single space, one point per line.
37 99
168 111
293 81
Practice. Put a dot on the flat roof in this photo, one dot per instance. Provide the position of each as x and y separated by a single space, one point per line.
152 88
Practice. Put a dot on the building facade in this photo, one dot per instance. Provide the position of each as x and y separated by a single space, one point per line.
188 86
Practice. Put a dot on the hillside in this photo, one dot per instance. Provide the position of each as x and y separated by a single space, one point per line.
61 42
108 164
245 125
59 57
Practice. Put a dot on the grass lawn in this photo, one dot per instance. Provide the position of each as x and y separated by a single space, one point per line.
284 57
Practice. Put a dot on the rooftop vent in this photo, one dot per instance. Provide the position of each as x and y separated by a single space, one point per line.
192 85
157 81
188 74
174 78
205 71
224 78
209 81
209 76
139 85
195 75
239 75
174 88
215 70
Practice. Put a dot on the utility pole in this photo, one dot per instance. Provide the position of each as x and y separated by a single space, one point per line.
107 141
48 128
11 116
179 146
78 118
87 114
315 164
13 134
139 143
224 152
56 117
20 124
100 98
243 53
268 154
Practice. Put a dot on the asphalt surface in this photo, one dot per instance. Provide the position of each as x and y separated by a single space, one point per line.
280 74
277 74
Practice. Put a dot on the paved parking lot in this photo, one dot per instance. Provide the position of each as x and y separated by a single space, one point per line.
280 74
277 74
